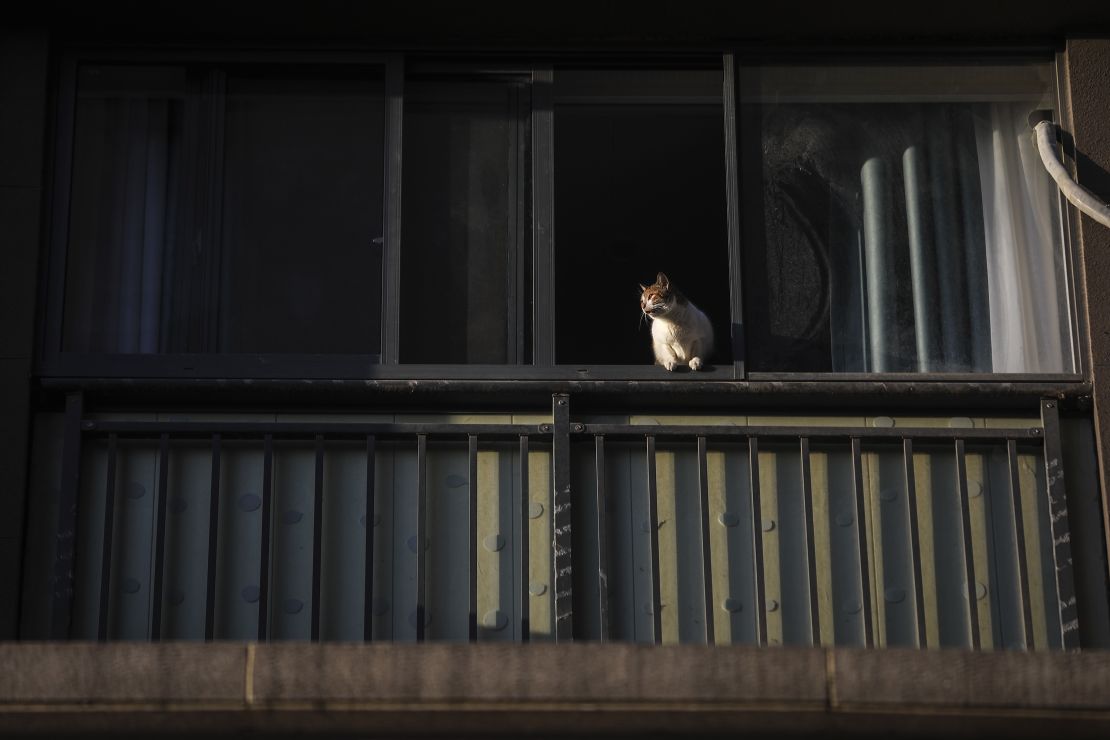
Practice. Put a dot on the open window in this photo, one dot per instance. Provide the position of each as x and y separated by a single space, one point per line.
640 187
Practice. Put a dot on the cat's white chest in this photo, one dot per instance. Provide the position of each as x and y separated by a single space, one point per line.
672 335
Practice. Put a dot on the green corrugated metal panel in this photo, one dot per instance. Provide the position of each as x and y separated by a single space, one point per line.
1085 515
343 554
90 539
499 500
498 534
629 579
679 534
541 607
239 538
187 541
769 490
838 561
822 541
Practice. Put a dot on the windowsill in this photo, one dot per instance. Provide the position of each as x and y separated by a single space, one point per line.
918 377
589 394
248 368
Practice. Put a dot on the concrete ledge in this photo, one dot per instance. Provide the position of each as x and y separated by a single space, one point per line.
582 689
120 673
579 673
966 680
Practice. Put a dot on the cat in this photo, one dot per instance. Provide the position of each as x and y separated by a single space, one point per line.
680 333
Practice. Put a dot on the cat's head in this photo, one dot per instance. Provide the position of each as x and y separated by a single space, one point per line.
658 298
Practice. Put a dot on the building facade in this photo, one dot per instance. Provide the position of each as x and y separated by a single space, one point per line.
328 406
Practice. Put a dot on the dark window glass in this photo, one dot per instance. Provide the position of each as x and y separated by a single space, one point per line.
133 129
226 211
898 219
302 214
639 189
466 222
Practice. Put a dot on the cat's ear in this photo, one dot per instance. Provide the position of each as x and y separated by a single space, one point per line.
642 287
662 281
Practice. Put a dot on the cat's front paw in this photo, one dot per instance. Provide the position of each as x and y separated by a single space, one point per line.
696 363
669 364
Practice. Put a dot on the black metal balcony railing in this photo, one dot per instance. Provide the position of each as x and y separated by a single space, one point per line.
585 567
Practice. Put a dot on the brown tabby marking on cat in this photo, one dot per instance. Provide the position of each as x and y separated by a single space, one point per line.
680 333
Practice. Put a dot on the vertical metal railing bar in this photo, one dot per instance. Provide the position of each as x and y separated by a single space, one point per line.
106 556
602 539
1058 519
61 581
861 535
969 553
811 550
1019 539
653 542
472 520
706 550
160 537
368 572
213 542
525 625
421 534
757 542
562 542
264 554
915 542
317 536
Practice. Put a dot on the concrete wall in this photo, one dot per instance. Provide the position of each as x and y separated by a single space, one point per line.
386 690
486 688
1088 74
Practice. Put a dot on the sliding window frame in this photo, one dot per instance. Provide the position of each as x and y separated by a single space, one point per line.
1070 217
52 361
751 186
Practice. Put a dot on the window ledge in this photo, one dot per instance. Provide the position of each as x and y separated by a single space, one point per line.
674 391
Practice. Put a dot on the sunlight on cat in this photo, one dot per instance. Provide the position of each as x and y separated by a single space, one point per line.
680 333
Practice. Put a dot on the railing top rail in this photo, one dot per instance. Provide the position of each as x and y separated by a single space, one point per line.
306 429
309 429
629 431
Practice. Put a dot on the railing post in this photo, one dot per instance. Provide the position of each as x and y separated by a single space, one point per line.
1058 518
560 518
969 547
653 539
602 538
61 581
158 581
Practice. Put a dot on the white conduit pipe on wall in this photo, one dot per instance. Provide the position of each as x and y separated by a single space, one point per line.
1076 194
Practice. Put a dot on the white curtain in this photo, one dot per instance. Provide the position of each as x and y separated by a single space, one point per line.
1025 267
